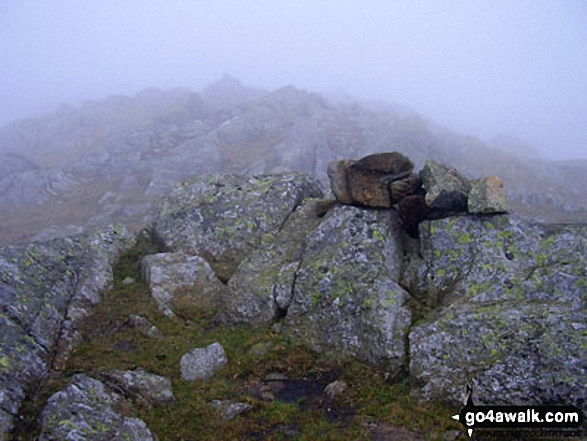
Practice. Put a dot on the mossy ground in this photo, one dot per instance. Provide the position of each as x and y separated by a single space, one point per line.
369 403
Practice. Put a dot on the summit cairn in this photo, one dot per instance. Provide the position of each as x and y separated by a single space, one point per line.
385 180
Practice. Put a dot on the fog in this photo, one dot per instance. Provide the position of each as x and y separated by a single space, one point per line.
485 67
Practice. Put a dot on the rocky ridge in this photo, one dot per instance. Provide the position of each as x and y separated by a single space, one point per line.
111 160
482 299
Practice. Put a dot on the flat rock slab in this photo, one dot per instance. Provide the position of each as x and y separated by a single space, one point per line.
202 363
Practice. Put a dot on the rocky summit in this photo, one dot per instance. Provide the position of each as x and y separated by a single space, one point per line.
423 275
384 180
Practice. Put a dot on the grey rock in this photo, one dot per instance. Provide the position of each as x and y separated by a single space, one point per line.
141 386
487 195
339 184
446 188
144 326
261 289
229 409
224 218
45 289
509 297
85 409
128 281
178 279
346 300
202 363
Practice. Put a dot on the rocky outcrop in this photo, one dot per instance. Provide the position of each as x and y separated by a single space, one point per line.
487 300
45 290
223 219
345 283
511 311
333 281
86 409
345 297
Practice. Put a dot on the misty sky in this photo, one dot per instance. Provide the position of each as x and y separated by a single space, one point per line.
482 67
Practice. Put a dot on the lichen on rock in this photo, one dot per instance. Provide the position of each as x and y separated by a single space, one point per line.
225 218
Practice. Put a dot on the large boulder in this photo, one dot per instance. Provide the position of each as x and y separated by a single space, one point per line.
224 218
261 289
86 409
510 311
345 300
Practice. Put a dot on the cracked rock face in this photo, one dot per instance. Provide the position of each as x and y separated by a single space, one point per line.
512 311
334 279
262 287
346 299
224 218
45 289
